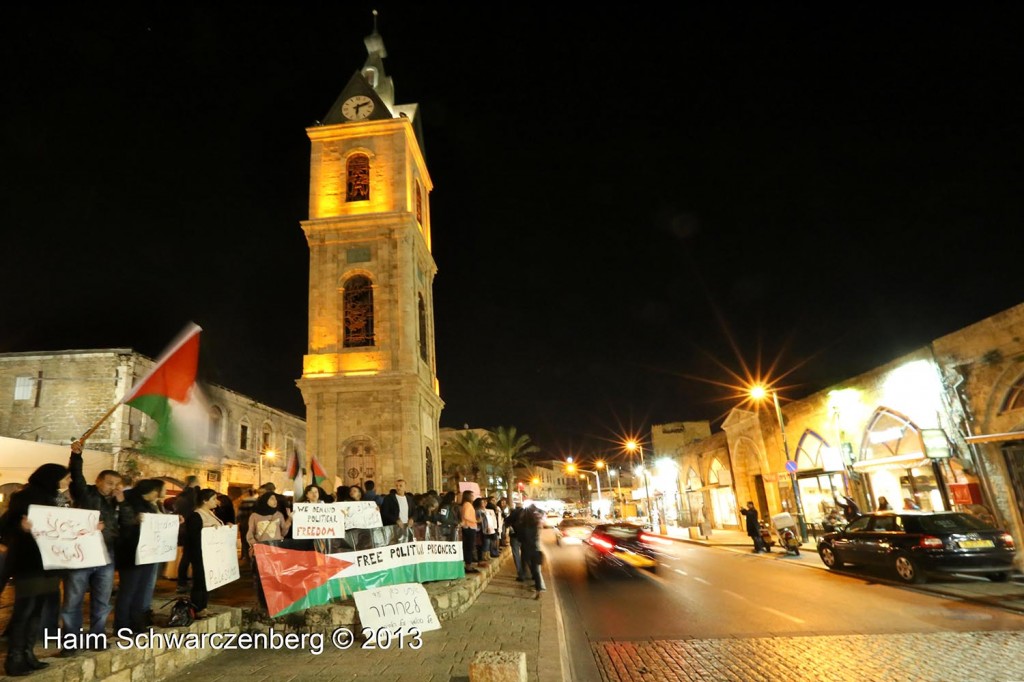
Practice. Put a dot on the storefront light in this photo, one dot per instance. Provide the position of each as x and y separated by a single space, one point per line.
915 389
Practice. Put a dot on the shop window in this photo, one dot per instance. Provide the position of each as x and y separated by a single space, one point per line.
693 480
892 457
357 186
357 304
813 453
1014 397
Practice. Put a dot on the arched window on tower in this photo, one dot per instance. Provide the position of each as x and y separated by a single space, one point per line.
430 469
423 330
358 312
358 178
419 204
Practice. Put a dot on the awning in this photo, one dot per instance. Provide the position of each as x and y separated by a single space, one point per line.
996 437
907 461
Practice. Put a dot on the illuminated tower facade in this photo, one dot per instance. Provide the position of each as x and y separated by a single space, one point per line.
369 377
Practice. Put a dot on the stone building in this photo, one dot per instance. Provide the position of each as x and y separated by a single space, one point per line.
55 396
369 380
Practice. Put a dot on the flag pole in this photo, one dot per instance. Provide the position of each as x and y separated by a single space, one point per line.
95 426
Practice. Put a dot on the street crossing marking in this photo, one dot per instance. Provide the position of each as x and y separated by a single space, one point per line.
784 615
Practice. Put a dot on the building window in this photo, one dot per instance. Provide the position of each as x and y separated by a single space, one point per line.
430 470
243 437
358 178
216 418
1014 398
358 312
811 452
423 329
23 388
419 204
267 438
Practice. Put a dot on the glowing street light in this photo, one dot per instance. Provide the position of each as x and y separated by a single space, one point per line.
758 393
633 446
269 454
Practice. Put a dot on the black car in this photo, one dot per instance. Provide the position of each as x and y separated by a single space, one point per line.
917 543
621 547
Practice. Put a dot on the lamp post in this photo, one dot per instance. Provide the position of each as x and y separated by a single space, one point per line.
633 446
759 393
598 478
269 454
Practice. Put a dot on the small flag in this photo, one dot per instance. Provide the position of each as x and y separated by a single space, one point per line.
319 475
292 469
168 386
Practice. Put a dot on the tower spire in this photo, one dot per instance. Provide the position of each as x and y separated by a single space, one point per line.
373 69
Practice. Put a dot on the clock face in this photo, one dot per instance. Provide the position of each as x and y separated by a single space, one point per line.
357 107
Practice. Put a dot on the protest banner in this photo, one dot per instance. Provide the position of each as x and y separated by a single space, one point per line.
469 485
220 555
318 520
492 520
407 562
397 606
158 539
361 515
68 538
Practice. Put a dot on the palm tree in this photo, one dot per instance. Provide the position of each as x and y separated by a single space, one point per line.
467 454
508 451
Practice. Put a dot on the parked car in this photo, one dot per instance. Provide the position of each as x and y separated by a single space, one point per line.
551 519
622 548
915 544
572 531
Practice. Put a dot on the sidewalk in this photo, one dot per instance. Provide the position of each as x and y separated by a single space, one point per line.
1008 595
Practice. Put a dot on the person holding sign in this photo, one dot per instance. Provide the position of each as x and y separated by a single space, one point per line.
202 517
135 579
267 525
32 585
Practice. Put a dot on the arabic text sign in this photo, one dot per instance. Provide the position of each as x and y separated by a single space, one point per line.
158 539
68 538
318 520
220 555
361 514
397 606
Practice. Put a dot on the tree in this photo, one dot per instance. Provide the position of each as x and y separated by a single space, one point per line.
467 454
508 451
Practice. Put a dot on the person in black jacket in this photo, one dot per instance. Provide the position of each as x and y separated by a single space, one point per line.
135 579
184 505
396 509
98 580
202 517
754 528
514 519
32 585
528 532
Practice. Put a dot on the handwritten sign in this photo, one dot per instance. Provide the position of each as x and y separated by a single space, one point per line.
68 538
469 485
397 606
318 520
158 539
492 520
361 514
220 555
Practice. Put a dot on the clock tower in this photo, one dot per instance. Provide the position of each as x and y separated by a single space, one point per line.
369 377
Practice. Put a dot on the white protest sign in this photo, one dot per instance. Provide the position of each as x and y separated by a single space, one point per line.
68 538
318 520
220 555
492 520
397 606
361 514
158 539
469 485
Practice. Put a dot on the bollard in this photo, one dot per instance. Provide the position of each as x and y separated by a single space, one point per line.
498 666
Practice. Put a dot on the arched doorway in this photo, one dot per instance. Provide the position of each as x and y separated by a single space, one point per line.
893 461
820 475
359 460
723 501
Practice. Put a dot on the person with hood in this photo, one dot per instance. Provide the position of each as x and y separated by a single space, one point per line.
268 525
202 517
186 503
32 585
135 579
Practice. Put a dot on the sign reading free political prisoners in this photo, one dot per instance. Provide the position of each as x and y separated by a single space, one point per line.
158 539
318 520
220 555
397 606
68 538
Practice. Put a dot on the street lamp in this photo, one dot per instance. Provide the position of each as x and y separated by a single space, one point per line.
598 478
269 454
759 392
633 446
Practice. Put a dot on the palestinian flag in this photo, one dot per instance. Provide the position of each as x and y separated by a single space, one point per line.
319 475
292 470
166 388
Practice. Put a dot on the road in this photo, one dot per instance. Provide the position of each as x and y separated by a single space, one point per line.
725 594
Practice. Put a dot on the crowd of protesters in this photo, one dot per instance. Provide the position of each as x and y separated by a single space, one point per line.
263 517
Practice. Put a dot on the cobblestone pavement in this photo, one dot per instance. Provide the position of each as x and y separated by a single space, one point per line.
933 657
505 617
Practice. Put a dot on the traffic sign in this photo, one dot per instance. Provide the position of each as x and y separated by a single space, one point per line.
791 466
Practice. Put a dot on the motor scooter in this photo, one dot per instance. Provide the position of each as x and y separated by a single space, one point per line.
786 529
766 536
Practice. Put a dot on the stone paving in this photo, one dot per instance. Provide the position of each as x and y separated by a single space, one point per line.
931 657
505 617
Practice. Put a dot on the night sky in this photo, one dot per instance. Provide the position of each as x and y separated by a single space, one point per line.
627 205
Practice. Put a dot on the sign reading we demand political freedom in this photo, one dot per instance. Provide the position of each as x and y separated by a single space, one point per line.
294 580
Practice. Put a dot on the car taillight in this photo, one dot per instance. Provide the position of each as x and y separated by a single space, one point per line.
931 542
601 543
647 538
1007 540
